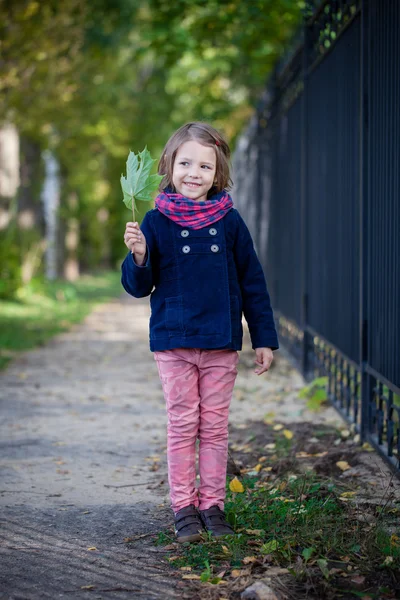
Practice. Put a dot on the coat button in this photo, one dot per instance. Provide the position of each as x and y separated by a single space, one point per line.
184 233
214 248
212 231
186 249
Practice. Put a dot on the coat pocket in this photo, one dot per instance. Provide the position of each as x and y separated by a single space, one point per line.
174 315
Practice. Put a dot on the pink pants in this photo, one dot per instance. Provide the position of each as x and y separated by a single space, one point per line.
197 386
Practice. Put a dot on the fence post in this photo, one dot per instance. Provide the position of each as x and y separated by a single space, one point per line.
363 323
305 366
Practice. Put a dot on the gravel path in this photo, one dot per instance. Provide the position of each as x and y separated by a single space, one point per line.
83 435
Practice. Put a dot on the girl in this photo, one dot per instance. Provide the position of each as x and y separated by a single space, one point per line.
195 257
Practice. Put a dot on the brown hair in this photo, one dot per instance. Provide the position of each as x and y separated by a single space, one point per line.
206 135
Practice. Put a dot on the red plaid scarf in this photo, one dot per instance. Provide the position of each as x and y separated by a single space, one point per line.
191 213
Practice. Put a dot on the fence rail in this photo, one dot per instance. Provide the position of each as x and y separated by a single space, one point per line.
320 188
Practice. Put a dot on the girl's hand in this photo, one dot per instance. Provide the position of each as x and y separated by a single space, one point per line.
135 241
264 358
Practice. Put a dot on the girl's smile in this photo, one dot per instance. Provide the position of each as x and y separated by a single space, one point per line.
194 170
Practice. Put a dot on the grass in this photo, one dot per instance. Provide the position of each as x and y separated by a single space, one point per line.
307 524
43 309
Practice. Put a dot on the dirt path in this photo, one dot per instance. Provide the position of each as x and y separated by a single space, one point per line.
83 435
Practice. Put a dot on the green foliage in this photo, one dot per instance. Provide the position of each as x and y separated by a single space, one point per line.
91 79
315 392
301 524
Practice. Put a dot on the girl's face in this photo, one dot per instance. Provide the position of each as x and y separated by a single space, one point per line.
194 170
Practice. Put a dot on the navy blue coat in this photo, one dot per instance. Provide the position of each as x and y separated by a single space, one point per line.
200 281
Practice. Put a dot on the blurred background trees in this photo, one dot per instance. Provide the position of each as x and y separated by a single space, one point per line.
82 83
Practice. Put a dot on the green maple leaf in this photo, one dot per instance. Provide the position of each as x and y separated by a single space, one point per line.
138 183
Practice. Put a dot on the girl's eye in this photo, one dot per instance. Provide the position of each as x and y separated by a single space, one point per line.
206 166
184 163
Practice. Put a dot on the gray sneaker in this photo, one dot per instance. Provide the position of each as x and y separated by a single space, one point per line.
214 521
188 525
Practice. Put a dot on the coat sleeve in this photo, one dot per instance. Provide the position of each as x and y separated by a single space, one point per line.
138 280
256 301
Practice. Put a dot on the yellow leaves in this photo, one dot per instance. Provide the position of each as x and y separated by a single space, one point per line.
345 433
288 434
282 486
343 465
367 447
87 587
271 446
348 494
186 568
239 572
277 427
92 548
191 576
236 486
226 550
249 559
303 454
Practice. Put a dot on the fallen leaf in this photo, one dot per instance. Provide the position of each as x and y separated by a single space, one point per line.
249 559
191 576
358 580
236 486
345 433
270 446
171 558
92 548
186 568
388 561
288 434
87 587
258 468
220 575
259 532
267 468
367 447
343 465
348 494
239 572
270 415
225 550
277 427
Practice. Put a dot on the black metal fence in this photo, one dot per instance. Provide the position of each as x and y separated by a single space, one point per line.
323 204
